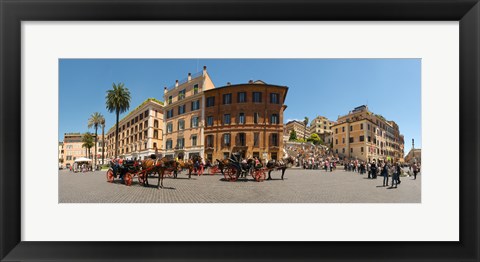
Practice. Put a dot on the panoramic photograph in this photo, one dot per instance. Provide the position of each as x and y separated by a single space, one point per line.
239 131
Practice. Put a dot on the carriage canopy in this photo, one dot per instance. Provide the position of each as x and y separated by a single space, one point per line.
82 159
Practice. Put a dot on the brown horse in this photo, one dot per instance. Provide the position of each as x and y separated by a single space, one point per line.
283 164
151 166
185 165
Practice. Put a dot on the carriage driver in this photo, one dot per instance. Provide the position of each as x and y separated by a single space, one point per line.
117 163
258 164
244 164
114 164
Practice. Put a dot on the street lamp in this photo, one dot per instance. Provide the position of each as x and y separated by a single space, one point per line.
413 149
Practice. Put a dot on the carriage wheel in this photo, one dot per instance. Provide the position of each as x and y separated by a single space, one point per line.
263 175
259 175
213 170
110 176
128 179
230 174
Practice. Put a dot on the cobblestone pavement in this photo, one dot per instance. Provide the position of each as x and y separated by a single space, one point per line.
299 186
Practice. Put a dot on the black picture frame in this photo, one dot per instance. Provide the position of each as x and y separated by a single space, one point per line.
13 12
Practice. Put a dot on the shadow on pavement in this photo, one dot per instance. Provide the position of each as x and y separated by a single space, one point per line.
238 180
182 178
166 187
276 179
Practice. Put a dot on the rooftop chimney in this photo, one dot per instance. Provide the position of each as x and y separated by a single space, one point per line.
176 83
204 70
165 90
250 81
228 83
189 77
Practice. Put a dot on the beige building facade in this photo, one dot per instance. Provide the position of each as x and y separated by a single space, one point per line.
299 128
184 113
414 156
321 125
72 148
366 136
99 150
140 132
61 159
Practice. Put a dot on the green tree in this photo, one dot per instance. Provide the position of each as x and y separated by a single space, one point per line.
305 122
87 140
94 121
118 101
293 135
315 139
102 124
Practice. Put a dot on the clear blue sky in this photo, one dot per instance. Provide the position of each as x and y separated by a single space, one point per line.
328 87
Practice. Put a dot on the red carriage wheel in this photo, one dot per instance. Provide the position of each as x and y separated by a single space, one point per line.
230 174
260 176
128 179
256 175
110 176
225 174
213 170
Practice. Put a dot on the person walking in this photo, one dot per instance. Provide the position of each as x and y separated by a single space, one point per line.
385 175
373 168
415 171
399 172
395 176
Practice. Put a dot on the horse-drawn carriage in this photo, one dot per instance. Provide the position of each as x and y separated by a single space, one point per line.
234 168
128 169
124 169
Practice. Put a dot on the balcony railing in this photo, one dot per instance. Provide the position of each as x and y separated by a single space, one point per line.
185 80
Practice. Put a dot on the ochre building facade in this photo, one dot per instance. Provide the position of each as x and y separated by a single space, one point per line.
246 119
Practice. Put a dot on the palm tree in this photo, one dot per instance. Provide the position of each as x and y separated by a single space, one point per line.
102 123
305 122
118 101
95 120
87 140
